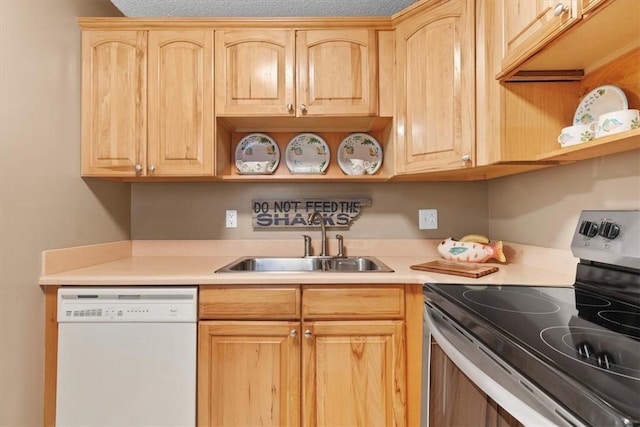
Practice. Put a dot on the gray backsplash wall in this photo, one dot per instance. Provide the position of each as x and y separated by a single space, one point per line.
197 210
541 208
537 208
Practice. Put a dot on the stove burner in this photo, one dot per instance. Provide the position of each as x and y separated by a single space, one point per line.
499 300
589 349
629 319
589 300
579 298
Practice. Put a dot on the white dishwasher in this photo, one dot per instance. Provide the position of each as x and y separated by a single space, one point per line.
126 356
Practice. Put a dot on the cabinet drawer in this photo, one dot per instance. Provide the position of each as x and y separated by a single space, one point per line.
353 302
250 302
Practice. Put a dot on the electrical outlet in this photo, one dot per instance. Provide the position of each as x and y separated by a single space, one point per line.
232 218
428 219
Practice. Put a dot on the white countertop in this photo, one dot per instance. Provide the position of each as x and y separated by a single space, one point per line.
143 263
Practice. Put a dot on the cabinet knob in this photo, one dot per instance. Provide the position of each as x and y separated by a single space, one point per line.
466 158
303 108
152 169
307 334
290 107
560 9
138 169
294 333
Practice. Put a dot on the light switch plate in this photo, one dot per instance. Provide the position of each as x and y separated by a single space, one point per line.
428 219
232 218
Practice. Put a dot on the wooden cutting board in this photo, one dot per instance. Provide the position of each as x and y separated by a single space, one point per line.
455 268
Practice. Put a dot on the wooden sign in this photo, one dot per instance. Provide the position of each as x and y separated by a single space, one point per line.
272 213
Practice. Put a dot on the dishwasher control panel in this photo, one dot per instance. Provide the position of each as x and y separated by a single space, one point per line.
127 305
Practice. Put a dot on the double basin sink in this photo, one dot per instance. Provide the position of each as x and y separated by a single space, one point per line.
363 264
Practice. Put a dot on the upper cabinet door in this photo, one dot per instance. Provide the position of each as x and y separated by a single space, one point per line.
113 102
529 24
435 117
255 72
181 122
337 72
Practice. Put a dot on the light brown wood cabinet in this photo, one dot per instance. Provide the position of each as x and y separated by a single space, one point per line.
435 88
249 355
477 90
353 373
255 72
248 373
114 102
520 116
147 103
284 72
528 24
341 363
283 81
180 103
563 38
454 400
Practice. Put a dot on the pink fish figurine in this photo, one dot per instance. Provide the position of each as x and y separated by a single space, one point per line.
454 250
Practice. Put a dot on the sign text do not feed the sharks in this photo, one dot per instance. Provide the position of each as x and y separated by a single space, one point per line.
292 212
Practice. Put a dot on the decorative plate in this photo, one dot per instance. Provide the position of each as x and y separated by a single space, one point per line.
307 153
360 146
258 147
601 100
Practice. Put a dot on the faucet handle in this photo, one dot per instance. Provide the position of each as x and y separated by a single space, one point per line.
307 245
340 245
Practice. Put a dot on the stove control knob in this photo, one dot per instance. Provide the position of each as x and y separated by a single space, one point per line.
609 230
585 350
605 360
588 228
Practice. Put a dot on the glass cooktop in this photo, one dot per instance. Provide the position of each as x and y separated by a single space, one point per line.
578 345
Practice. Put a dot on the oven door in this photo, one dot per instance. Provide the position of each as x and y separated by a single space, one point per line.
507 387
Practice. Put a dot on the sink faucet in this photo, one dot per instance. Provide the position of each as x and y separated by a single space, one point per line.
307 245
312 217
340 245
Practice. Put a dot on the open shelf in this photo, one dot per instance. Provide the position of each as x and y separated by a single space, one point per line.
624 141
231 130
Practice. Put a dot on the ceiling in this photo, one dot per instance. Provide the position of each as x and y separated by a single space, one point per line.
250 8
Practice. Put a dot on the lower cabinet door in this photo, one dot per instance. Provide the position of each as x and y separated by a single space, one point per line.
248 373
354 373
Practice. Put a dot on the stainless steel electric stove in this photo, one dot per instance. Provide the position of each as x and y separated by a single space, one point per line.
579 345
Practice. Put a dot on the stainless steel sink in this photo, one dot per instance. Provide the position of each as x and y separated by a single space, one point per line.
246 264
358 263
313 264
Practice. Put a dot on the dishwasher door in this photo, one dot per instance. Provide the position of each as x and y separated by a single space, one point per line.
126 357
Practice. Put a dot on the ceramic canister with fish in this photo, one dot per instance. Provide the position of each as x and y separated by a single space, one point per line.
456 250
